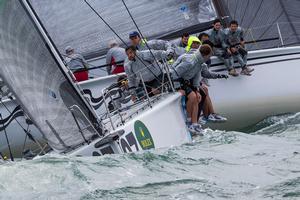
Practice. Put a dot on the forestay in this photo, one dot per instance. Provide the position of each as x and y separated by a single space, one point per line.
35 75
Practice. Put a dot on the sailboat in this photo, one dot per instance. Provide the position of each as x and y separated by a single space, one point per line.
43 86
244 100
16 138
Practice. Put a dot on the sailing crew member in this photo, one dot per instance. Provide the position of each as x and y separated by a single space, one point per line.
77 64
221 50
188 68
235 41
205 104
142 64
180 44
203 37
125 95
115 58
142 44
193 43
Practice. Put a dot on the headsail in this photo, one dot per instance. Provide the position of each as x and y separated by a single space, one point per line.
71 22
36 76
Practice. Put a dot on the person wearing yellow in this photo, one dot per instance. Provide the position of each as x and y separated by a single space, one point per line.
193 43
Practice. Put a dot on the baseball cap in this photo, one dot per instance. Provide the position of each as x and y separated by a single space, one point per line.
133 34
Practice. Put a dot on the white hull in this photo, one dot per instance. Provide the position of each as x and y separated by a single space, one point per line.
163 125
271 90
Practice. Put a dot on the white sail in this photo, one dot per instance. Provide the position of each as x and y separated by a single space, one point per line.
36 77
71 22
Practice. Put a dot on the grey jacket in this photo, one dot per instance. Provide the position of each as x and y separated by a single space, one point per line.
217 38
179 47
155 45
117 54
234 38
75 62
149 72
191 66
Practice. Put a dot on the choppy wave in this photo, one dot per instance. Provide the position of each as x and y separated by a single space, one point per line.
260 164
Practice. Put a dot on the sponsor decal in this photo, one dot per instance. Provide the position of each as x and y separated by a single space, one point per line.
143 135
130 142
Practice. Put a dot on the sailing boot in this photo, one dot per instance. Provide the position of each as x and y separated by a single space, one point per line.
217 117
245 72
249 69
232 72
196 129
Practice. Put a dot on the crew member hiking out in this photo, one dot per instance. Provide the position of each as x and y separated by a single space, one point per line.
221 49
115 58
188 69
205 104
235 41
204 38
77 64
142 64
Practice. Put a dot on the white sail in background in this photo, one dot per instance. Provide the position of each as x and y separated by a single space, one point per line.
36 78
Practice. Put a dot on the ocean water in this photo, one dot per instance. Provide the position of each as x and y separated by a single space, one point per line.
263 163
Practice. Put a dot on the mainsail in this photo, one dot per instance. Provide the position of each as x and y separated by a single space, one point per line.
71 22
36 76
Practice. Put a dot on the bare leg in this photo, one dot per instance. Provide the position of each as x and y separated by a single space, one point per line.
207 107
192 106
189 108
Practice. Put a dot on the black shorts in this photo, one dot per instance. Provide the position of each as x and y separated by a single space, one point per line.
154 84
188 89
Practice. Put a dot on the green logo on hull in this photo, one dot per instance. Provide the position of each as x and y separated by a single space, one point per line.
143 135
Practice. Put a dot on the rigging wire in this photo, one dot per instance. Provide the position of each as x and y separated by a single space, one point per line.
7 141
26 132
273 23
246 9
91 7
289 19
236 6
140 32
254 16
25 140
